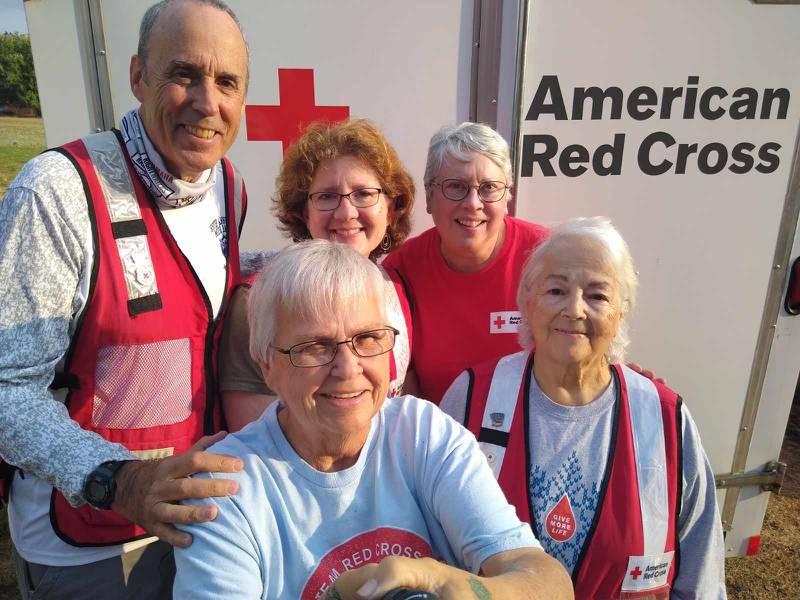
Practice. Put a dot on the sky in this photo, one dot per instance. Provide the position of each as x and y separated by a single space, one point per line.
12 16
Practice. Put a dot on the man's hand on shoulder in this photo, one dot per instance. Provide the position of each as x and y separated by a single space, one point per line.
148 492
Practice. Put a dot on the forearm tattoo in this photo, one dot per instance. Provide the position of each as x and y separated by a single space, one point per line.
480 591
331 594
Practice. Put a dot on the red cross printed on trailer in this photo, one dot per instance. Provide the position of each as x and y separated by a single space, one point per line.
636 573
499 321
297 109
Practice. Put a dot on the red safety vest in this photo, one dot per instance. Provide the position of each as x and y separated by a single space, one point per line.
141 368
631 550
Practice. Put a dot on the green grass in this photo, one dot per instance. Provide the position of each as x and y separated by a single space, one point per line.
20 140
8 579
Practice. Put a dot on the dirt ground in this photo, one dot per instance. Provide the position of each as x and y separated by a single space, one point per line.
774 573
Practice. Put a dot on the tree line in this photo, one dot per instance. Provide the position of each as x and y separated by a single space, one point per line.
17 77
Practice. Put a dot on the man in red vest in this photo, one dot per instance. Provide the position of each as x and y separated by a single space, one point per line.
117 255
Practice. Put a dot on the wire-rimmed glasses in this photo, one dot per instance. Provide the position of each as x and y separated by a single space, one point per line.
360 198
317 353
457 189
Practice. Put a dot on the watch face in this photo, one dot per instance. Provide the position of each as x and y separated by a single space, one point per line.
95 492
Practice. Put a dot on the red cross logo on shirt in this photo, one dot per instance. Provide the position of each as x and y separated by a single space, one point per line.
286 121
635 573
499 322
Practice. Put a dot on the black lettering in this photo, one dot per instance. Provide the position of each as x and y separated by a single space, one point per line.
691 97
770 94
744 104
684 152
669 95
573 155
530 156
646 166
598 98
615 151
539 105
640 97
770 161
742 160
705 103
703 158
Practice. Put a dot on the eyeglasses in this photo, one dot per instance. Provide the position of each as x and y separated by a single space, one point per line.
362 198
316 353
456 189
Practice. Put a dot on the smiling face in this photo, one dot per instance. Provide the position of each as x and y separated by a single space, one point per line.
472 231
574 309
360 228
337 400
192 87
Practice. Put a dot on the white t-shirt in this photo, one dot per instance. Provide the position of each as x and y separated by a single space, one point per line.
420 487
201 230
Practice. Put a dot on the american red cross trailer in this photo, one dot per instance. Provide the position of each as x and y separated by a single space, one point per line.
679 120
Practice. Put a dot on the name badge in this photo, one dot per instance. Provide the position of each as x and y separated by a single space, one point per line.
646 576
504 321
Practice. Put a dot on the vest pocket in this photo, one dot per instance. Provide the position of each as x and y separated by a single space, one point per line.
144 385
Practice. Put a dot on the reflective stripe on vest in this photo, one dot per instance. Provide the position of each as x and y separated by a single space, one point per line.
127 225
500 408
647 427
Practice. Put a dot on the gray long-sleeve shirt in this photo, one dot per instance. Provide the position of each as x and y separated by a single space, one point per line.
45 263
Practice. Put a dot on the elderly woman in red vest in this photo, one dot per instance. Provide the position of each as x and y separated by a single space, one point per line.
605 464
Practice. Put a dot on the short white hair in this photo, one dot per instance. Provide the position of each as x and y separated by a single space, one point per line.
462 142
614 250
309 279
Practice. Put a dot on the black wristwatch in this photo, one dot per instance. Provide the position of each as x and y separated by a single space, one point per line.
101 486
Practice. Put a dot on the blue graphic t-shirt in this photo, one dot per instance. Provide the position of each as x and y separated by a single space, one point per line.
565 488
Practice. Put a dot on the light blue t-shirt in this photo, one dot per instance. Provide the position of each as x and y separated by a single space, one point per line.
420 487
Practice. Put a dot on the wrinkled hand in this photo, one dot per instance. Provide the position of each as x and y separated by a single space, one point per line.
148 491
374 581
647 373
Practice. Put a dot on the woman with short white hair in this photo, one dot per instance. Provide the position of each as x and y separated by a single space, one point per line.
605 464
461 275
340 485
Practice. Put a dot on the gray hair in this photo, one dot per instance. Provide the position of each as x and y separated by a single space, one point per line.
151 16
310 278
460 142
614 250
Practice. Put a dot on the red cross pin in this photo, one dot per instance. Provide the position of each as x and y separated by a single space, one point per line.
297 109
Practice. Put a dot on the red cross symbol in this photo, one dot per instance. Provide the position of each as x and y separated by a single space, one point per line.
636 572
499 321
286 121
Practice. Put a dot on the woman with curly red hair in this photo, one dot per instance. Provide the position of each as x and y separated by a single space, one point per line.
341 182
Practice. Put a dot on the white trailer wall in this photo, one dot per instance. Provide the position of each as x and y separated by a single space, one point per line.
703 243
404 66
